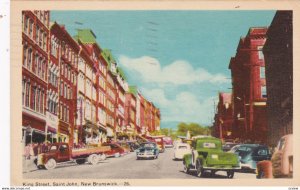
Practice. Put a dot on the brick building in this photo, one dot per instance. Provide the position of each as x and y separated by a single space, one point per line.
278 51
249 87
223 117
35 40
65 55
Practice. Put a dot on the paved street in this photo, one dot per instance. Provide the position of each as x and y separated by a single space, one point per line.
126 167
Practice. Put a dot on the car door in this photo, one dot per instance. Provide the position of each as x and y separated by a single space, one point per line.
63 153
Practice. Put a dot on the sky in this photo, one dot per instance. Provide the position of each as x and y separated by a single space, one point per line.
178 59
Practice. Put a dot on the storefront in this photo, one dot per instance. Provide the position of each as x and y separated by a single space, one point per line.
33 129
51 127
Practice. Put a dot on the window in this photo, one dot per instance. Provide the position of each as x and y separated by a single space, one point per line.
263 92
260 52
61 88
29 63
27 94
31 28
25 52
23 91
37 33
25 29
262 72
33 98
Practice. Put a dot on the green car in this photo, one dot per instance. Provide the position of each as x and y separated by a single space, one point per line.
207 155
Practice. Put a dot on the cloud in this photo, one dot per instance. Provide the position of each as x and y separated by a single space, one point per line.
179 72
185 106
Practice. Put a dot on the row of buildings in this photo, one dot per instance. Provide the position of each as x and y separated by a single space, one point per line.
74 91
260 106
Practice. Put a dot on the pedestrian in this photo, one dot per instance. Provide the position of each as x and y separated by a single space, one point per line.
28 156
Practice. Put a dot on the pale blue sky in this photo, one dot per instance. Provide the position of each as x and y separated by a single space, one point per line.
178 59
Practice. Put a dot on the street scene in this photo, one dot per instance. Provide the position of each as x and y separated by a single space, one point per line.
157 94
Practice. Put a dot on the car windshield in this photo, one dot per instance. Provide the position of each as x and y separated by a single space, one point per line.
182 147
148 145
243 151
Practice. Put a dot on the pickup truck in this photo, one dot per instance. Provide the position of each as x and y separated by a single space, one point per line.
61 152
207 155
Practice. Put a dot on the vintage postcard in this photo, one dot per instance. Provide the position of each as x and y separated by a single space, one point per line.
127 93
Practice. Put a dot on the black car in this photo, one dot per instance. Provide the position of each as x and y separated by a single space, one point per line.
250 154
147 150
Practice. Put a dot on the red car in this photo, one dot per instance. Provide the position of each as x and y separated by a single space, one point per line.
116 150
168 142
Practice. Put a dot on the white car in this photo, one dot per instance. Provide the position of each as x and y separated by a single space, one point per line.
180 150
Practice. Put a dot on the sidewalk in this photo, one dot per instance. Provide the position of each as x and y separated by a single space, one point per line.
28 165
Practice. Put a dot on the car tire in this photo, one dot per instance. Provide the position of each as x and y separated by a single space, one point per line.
102 157
186 169
230 174
138 158
51 164
93 159
80 161
199 168
117 155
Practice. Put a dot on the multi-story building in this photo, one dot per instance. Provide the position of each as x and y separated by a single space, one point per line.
64 53
122 87
157 119
249 87
111 93
142 114
35 40
91 90
223 118
278 52
130 110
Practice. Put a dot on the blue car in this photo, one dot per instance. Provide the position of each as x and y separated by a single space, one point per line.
250 154
147 150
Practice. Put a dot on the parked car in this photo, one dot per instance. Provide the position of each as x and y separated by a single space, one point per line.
115 151
180 150
250 154
282 159
147 150
228 145
61 153
125 146
168 142
207 154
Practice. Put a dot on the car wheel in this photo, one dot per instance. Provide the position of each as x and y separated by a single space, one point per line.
93 159
199 168
212 173
117 155
230 174
80 161
186 169
51 164
102 157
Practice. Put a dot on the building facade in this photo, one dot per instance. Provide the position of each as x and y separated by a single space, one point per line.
249 87
223 120
35 40
65 53
278 51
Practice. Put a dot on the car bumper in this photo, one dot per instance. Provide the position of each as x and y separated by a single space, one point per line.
145 155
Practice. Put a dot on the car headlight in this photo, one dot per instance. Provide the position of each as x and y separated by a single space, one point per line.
214 156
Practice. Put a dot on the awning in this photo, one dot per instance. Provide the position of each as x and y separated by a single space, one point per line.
51 129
